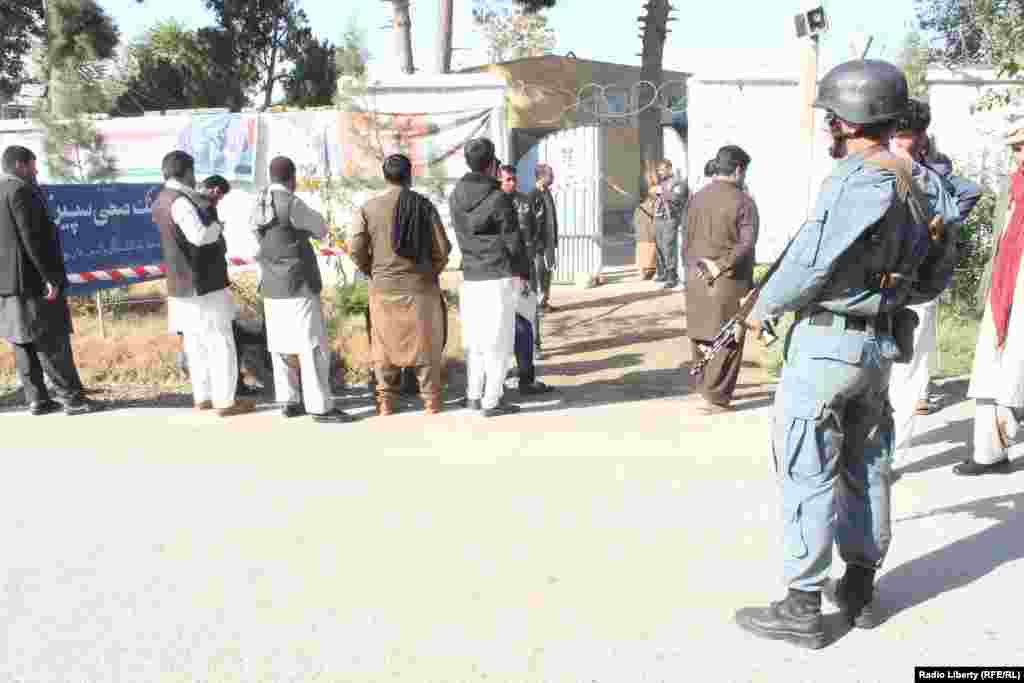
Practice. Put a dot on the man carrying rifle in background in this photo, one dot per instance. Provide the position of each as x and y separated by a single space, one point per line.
721 233
869 249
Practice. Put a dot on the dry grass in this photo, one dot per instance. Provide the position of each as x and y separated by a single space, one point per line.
138 350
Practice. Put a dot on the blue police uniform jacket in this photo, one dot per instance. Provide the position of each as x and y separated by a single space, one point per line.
862 228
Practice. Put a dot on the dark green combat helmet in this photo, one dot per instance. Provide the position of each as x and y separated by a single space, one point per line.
916 118
864 91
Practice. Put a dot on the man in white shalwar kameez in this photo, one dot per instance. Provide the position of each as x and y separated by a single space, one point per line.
290 284
997 377
487 230
952 198
199 303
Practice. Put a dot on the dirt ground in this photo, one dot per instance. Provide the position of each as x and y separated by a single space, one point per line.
624 340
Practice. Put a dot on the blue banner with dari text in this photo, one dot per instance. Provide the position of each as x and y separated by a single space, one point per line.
104 227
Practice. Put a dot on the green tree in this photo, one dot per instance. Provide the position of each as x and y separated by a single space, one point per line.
313 80
975 32
913 58
80 38
511 32
21 22
261 38
350 60
76 151
170 67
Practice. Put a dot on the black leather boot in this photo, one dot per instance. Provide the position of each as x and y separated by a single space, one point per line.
796 620
854 595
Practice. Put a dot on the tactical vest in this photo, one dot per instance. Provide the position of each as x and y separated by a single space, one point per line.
191 270
289 265
889 252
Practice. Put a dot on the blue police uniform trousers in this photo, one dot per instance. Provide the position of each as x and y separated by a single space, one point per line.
832 443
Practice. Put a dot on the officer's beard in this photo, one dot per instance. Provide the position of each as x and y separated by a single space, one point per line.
838 149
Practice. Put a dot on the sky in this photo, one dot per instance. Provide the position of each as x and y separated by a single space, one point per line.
724 37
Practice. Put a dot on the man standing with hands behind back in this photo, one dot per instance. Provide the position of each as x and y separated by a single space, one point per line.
34 315
721 234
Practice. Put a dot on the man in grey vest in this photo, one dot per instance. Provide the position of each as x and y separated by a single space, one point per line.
199 303
290 284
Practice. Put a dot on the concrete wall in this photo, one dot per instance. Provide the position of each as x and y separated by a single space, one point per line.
541 90
760 113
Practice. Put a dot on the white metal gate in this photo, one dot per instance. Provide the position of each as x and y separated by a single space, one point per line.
577 157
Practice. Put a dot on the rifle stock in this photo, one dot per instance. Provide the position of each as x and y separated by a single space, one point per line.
727 334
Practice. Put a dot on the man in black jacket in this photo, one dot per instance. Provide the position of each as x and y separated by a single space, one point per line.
546 219
527 328
34 315
487 230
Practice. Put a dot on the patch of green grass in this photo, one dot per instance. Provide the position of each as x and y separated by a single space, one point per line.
958 335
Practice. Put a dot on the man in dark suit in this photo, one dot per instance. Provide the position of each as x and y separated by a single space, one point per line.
34 314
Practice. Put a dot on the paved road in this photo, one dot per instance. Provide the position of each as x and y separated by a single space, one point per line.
607 538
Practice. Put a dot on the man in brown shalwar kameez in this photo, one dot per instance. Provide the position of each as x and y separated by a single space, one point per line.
721 233
399 241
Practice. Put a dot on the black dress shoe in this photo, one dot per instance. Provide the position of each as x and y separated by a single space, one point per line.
80 406
534 388
501 409
293 410
44 407
335 416
796 620
969 468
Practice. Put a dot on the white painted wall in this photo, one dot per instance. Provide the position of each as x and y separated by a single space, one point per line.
758 112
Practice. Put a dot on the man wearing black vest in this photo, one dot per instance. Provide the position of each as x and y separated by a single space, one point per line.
34 315
290 284
199 303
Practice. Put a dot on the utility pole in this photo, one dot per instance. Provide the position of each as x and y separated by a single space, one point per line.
809 52
809 26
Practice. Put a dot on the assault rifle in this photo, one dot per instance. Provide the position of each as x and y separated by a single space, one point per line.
726 337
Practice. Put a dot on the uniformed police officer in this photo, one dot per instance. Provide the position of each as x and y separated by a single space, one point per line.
864 254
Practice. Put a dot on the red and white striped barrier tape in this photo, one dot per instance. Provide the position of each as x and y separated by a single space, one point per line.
140 272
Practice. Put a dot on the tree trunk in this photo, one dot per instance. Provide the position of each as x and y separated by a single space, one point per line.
60 93
444 46
268 94
60 99
655 30
402 25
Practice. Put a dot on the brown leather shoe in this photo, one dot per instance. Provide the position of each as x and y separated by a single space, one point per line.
432 405
922 407
239 407
385 407
204 405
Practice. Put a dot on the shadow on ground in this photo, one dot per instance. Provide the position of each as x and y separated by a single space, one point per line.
611 301
962 562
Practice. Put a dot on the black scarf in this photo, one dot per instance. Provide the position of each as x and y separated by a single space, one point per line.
412 228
